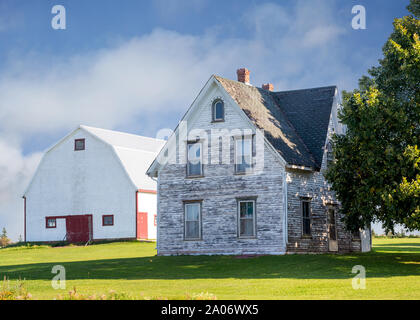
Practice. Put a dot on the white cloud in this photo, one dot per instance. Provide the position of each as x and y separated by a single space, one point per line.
158 73
15 172
321 36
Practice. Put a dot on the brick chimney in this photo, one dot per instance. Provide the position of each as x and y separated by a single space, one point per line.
243 75
268 86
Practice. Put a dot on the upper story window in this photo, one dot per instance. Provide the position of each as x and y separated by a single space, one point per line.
192 220
330 154
306 217
218 110
194 159
79 144
243 154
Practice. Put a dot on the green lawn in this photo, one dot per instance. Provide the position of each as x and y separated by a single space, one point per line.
392 269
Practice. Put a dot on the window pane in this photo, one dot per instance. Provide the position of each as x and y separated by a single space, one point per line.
108 220
194 159
332 226
51 222
331 216
193 212
243 158
192 229
246 209
218 110
192 220
79 144
305 209
247 227
306 226
306 216
333 234
246 218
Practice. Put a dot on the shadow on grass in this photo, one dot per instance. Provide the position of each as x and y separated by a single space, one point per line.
325 266
404 245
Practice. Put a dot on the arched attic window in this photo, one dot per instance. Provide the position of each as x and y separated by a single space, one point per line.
218 110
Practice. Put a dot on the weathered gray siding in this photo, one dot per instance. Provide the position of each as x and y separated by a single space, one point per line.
314 186
219 190
220 187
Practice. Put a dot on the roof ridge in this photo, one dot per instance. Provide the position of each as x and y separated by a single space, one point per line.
121 132
305 89
283 91
133 149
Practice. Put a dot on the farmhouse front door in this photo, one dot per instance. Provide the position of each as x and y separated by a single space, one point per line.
142 225
79 228
332 230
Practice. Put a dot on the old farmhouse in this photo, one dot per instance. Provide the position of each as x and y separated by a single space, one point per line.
243 174
92 185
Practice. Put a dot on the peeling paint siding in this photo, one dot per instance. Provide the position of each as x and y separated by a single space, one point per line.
220 187
315 186
218 190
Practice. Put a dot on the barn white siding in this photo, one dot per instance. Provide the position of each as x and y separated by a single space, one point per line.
95 181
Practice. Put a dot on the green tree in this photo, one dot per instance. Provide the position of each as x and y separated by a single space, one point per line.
376 175
4 240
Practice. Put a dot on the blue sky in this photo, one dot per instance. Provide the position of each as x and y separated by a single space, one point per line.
136 66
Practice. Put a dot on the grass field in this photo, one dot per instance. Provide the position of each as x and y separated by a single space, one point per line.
392 270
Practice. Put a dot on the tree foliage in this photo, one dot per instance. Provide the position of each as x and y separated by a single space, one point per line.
4 240
376 174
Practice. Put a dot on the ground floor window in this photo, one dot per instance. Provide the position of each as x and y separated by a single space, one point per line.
356 235
107 220
51 223
246 218
306 217
192 220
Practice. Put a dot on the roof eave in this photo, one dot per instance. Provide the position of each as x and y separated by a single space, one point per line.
300 168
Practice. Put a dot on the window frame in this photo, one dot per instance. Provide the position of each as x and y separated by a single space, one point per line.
213 110
330 153
357 236
200 232
254 217
46 222
308 201
107 216
79 140
201 160
251 167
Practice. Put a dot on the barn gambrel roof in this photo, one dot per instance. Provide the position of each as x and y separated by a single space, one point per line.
135 153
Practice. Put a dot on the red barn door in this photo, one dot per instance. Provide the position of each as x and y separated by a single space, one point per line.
142 225
79 228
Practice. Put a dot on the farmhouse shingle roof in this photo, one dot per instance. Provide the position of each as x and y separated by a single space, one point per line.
294 122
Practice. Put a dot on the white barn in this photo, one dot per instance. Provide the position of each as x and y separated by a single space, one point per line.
92 185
